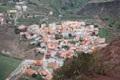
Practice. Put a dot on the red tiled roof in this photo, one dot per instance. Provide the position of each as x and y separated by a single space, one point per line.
49 76
30 71
43 72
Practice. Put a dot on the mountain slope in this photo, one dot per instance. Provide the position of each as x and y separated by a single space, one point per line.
103 64
111 52
102 9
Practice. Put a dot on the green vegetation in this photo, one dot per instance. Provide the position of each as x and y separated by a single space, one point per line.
29 21
59 7
31 46
113 22
16 0
3 8
32 3
37 77
110 21
101 0
67 6
79 67
6 6
7 65
102 32
37 53
57 36
96 26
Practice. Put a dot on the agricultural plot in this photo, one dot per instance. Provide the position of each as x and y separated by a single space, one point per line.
7 65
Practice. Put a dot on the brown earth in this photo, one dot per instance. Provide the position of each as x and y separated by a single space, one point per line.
111 76
7 39
111 56
102 9
9 42
111 52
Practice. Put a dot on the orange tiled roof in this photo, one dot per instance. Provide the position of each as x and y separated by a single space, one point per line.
29 36
51 65
43 72
79 24
38 62
73 47
21 33
30 71
63 54
22 27
51 46
51 31
71 50
56 67
46 37
101 41
46 29
59 27
38 31
49 76
69 55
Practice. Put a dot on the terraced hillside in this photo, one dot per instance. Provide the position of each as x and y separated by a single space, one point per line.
109 14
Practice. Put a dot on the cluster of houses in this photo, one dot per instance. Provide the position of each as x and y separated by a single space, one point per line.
1 18
13 14
58 41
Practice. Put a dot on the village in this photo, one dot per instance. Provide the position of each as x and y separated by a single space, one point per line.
55 41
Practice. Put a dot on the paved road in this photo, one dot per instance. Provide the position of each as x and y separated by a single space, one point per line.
21 68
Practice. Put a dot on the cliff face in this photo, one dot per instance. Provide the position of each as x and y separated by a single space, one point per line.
102 9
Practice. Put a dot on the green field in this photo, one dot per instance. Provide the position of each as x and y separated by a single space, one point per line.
102 33
7 65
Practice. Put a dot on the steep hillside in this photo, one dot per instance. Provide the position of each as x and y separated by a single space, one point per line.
103 64
102 9
111 52
60 5
109 14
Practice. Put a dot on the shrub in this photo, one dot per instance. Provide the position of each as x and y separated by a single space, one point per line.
110 25
17 31
96 26
65 47
39 77
57 36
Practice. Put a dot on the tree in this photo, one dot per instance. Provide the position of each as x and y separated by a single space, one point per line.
39 77
57 36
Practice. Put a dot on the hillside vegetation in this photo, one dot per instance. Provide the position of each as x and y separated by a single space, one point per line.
81 67
59 6
103 64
